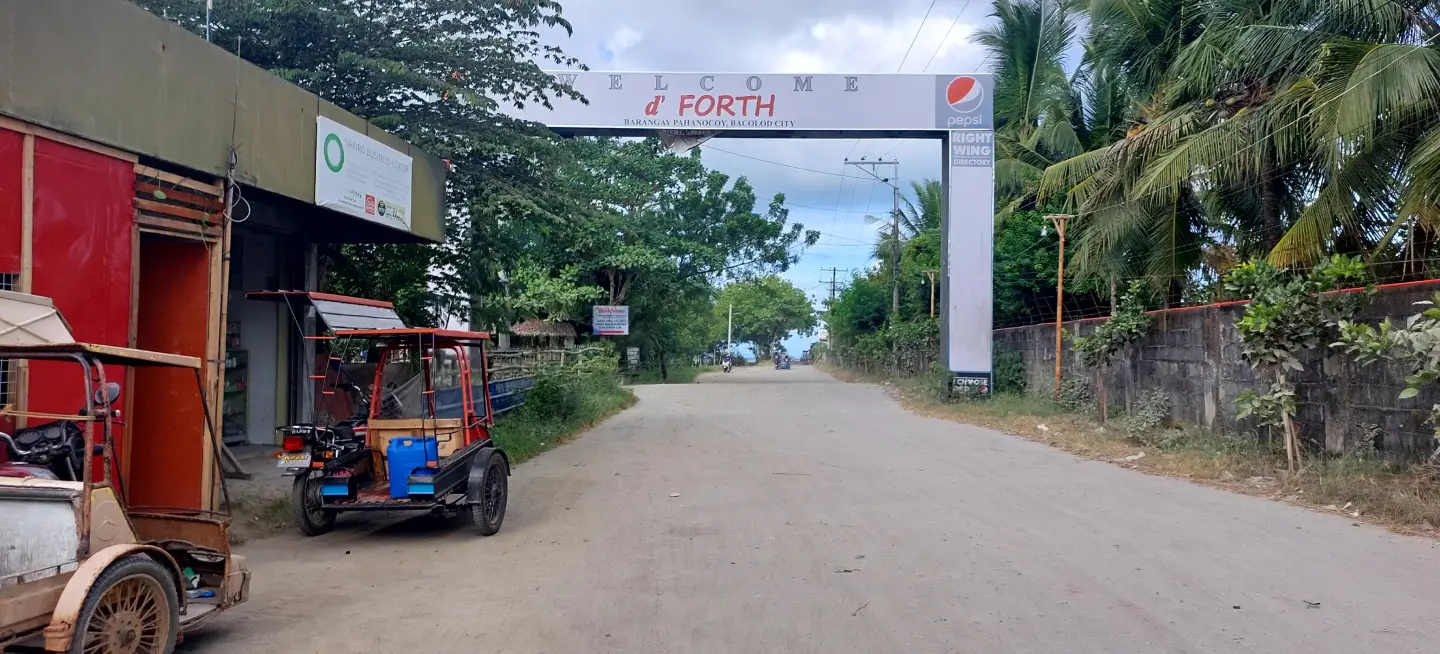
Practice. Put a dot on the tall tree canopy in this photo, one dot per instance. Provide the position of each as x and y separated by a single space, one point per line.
538 227
766 310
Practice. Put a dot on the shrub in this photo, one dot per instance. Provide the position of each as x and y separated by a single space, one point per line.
559 390
1074 395
1009 372
1150 414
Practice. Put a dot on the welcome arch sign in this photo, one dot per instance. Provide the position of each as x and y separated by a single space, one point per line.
954 109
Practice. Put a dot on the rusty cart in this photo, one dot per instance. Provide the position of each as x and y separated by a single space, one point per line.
424 446
80 571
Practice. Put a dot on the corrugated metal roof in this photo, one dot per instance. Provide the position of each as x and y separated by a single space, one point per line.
537 327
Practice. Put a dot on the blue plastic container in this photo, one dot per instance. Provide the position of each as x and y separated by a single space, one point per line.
403 455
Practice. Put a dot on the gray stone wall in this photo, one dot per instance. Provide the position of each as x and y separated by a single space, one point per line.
1193 354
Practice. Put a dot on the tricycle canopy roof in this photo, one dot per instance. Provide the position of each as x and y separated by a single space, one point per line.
338 311
106 354
416 336
31 320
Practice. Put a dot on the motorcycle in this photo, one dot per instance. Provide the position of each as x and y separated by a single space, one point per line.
305 442
725 366
54 450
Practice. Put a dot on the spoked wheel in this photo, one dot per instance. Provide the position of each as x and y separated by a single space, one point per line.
487 506
306 502
131 609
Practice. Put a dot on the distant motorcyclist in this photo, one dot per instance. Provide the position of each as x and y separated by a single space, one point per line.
727 363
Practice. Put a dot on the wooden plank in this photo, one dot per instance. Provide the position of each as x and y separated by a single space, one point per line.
204 202
173 210
144 229
27 263
193 184
58 137
27 213
132 340
184 227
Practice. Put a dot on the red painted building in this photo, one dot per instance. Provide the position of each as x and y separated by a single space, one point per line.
116 156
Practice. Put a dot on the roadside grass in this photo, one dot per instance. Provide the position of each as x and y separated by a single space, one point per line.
530 432
678 375
1359 486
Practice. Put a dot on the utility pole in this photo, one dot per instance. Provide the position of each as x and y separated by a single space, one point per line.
931 275
1059 220
872 168
730 333
833 283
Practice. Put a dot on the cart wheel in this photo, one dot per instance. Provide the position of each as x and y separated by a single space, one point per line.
489 496
305 500
131 609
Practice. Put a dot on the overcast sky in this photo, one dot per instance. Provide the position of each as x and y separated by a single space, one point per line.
794 36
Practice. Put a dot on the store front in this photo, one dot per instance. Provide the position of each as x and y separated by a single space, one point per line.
114 204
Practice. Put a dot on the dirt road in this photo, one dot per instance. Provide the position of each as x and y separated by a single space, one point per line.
816 516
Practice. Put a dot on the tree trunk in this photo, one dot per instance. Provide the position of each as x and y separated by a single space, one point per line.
1100 385
1292 448
1269 207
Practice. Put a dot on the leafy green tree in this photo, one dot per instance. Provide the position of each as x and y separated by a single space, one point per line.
1126 324
766 310
1289 313
436 73
1416 345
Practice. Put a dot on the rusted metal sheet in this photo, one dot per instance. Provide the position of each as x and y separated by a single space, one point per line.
25 609
41 538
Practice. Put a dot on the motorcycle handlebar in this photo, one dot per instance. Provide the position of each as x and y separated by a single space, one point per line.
13 447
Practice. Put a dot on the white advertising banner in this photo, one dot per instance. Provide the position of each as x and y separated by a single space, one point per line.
970 235
360 176
737 101
609 320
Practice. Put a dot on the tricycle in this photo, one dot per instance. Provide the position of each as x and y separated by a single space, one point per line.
80 570
430 454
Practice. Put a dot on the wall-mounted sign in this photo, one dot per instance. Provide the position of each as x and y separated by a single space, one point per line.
610 320
730 101
360 176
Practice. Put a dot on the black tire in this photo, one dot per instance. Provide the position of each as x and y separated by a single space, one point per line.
133 600
305 503
487 505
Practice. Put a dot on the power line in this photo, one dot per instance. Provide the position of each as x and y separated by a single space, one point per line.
918 30
945 38
776 163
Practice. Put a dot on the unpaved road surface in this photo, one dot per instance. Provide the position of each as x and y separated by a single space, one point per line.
816 516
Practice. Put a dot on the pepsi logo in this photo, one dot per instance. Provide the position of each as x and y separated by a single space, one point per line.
964 94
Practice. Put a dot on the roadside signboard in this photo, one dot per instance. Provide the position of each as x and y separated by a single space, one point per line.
609 320
360 176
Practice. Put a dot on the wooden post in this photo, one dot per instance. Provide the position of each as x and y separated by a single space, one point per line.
1059 220
27 265
931 275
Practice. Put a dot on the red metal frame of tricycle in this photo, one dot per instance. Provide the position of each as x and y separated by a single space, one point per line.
421 339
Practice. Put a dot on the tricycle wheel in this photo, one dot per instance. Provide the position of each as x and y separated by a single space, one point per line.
132 608
488 498
305 500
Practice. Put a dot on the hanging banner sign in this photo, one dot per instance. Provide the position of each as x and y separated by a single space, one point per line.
611 320
360 176
728 101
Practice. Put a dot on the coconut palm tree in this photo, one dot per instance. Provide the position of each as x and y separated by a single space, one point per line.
918 216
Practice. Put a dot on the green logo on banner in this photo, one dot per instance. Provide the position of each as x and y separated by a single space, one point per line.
339 162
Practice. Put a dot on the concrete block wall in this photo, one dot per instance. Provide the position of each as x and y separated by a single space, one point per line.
1193 355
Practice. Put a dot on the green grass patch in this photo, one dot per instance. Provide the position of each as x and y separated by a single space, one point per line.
528 433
